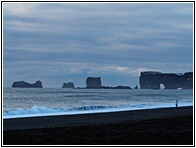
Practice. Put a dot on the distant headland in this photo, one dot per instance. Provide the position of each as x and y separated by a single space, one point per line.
147 80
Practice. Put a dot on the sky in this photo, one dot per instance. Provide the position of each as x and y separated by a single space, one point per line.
68 42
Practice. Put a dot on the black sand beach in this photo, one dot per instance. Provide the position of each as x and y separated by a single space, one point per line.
168 126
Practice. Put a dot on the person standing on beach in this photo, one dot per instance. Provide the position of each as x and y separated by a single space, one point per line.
176 103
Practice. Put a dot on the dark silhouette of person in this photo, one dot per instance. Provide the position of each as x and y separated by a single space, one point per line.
176 103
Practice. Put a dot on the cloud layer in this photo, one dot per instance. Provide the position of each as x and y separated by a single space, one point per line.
59 42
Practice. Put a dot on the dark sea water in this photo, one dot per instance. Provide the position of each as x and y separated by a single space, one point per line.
26 102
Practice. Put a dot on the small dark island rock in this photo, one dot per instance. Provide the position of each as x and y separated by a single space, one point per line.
93 82
116 87
153 80
122 87
68 85
23 84
136 87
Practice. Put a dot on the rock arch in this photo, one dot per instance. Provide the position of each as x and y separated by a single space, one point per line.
152 80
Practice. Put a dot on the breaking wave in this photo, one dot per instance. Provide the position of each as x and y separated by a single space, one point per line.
45 111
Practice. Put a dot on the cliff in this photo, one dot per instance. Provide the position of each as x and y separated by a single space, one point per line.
68 85
93 82
23 84
153 80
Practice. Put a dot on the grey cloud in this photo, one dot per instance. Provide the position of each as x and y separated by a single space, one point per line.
105 35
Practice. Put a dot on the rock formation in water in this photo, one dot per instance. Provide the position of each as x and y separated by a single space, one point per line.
136 87
116 87
153 80
23 84
93 82
68 85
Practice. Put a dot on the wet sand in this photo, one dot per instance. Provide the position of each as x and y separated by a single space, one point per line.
168 126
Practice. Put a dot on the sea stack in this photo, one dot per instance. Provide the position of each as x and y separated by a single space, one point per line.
23 84
93 82
136 87
68 85
153 80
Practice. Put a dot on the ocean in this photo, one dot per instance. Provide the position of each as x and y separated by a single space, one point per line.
28 102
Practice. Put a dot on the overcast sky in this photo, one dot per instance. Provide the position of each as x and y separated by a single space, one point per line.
63 42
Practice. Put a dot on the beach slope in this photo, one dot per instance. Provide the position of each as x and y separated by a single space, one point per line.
166 126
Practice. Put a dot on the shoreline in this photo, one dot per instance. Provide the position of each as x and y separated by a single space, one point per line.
94 118
111 110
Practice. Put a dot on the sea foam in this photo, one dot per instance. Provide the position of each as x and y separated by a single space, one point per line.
45 111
